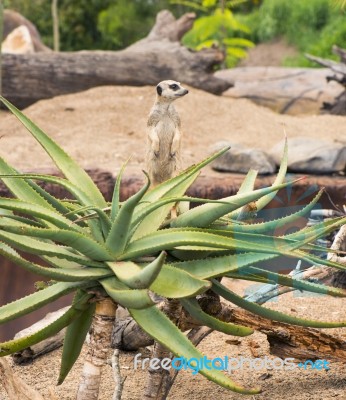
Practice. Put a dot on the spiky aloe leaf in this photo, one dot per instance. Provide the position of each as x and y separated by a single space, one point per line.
199 239
158 326
79 304
115 205
167 200
36 300
76 191
276 223
175 283
194 309
267 313
123 295
118 235
270 276
80 242
38 211
133 276
74 339
33 246
280 177
20 188
174 187
63 275
218 266
63 161
203 216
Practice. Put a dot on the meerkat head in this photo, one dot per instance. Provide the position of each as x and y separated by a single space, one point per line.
170 90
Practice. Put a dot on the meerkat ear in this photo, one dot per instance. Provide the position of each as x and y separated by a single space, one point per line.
159 90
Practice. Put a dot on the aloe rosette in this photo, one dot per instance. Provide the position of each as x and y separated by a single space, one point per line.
129 250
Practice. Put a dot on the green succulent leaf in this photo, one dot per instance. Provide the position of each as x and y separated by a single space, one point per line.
203 216
80 242
61 274
227 294
72 313
74 339
64 162
134 276
20 188
194 309
39 212
118 235
158 326
33 246
174 187
34 301
123 295
270 276
116 193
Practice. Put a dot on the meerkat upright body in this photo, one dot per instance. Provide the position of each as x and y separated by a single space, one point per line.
164 134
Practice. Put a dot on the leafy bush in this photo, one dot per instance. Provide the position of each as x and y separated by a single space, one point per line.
219 28
91 24
312 26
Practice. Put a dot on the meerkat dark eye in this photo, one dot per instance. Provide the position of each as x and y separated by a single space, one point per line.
174 86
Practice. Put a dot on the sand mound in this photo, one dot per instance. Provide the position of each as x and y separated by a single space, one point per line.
103 126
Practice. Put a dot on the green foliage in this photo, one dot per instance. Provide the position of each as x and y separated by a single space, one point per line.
92 24
219 28
312 26
125 22
128 250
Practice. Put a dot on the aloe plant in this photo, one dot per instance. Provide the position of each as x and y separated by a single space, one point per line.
126 251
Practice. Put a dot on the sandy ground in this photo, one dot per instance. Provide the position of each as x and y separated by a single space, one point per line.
267 54
103 126
298 384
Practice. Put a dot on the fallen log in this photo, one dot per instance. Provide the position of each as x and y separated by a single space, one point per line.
31 77
338 106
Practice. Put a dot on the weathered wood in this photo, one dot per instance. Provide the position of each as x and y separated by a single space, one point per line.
15 387
338 106
31 77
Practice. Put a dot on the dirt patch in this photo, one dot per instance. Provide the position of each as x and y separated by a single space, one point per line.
103 126
299 384
269 54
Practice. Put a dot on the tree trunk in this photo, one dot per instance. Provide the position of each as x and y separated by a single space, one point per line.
159 380
98 347
28 78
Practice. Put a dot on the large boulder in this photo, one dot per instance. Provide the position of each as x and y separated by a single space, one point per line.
312 155
240 159
284 90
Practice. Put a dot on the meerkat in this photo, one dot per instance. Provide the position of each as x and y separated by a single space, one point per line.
164 134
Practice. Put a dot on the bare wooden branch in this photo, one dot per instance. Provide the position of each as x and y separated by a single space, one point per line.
118 379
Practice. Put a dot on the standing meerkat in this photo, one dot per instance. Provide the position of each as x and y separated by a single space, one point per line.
163 155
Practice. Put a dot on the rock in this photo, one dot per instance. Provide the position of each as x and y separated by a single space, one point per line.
285 90
18 41
241 159
14 20
312 155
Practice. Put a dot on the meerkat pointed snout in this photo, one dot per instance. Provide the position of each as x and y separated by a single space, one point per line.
164 135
